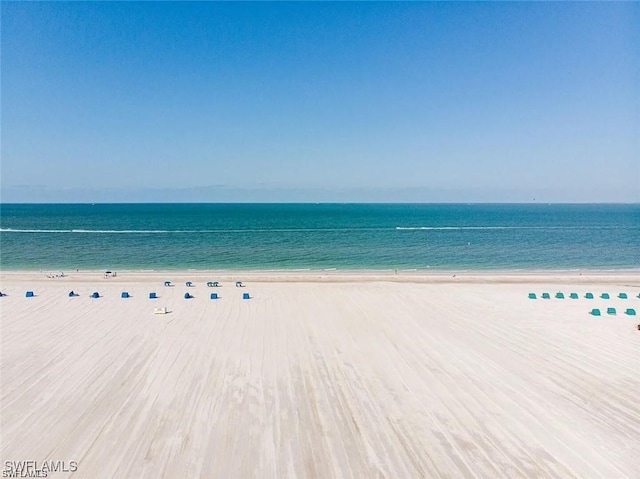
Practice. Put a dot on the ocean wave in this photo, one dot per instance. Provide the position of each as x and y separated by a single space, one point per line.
436 228
254 230
312 230
17 230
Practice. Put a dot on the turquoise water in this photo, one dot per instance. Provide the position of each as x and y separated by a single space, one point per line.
319 236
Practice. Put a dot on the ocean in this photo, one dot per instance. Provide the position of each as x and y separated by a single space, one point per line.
320 236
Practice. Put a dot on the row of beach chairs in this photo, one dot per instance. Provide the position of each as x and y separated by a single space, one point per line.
210 284
612 312
595 311
125 294
560 295
213 296
188 295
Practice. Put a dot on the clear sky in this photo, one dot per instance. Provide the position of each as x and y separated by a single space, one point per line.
425 102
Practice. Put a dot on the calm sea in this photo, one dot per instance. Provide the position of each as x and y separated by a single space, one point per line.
319 236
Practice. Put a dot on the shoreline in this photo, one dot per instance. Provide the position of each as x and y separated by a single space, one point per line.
334 275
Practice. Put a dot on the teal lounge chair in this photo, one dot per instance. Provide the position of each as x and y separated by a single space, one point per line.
622 296
595 312
559 295
611 310
546 296
604 295
532 296
589 295
630 312
573 295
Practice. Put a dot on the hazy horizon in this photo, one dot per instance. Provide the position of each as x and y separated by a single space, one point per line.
427 102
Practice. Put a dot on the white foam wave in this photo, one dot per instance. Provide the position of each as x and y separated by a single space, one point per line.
255 230
16 230
409 228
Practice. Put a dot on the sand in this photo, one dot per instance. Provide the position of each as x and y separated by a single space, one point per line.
328 375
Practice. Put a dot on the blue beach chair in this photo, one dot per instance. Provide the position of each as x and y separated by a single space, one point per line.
187 296
152 296
245 295
95 294
124 294
214 295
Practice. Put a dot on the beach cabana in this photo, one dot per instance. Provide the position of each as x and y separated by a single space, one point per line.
2 294
559 295
124 294
622 295
188 284
573 295
546 296
595 312
589 295
245 295
187 296
213 284
239 284
604 295
152 296
167 283
71 294
611 310
630 312
214 295
95 294
29 294
532 296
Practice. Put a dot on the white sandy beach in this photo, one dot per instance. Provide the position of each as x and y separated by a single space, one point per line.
327 375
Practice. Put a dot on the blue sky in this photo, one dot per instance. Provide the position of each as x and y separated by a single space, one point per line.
424 102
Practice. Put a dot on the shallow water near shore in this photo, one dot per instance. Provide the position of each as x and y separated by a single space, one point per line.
320 236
